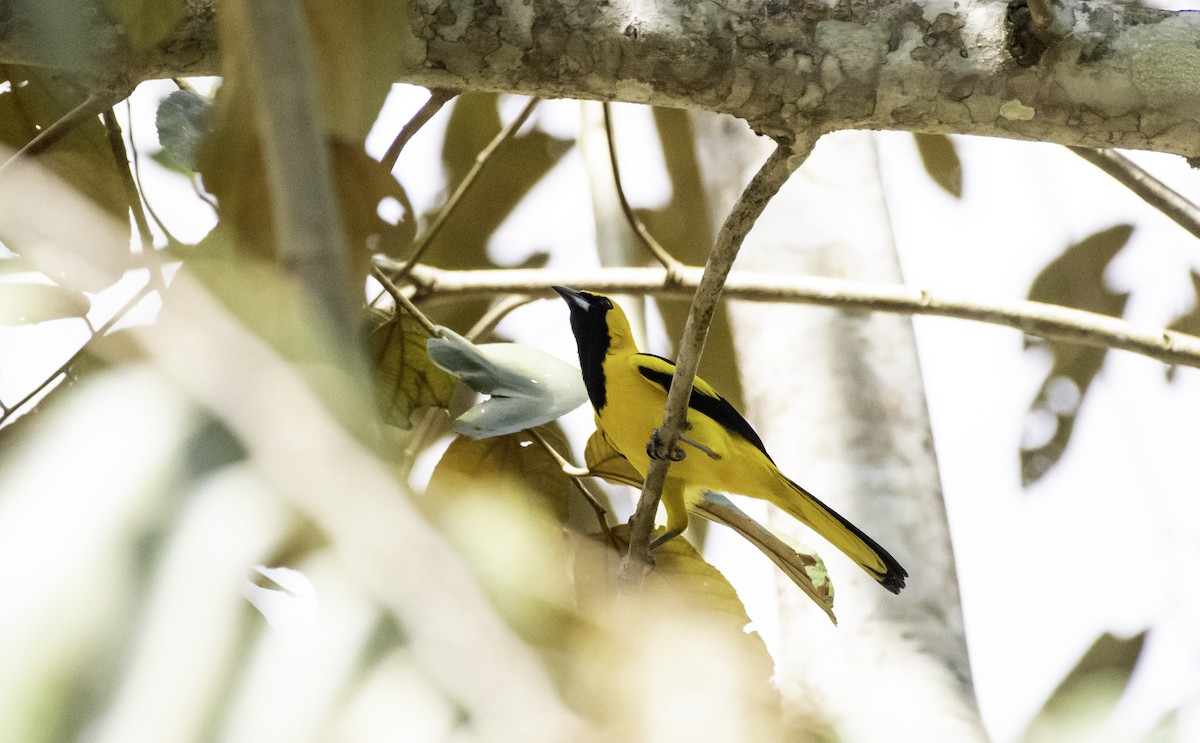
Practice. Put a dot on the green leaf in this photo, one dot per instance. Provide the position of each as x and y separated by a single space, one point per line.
183 122
941 161
230 161
146 22
1074 279
26 303
405 378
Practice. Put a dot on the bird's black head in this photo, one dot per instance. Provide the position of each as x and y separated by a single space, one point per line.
590 324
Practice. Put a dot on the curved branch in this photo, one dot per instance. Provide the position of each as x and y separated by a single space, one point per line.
757 194
1150 189
1035 318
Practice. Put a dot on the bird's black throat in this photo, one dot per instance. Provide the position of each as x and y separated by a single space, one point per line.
592 339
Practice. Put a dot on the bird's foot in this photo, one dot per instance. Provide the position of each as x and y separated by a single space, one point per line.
655 449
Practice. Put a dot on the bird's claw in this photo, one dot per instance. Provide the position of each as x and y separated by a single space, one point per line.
654 449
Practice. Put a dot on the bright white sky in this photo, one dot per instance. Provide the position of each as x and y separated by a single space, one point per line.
1109 541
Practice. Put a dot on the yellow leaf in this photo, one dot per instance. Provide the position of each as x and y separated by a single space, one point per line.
606 462
501 501
405 378
683 635
513 458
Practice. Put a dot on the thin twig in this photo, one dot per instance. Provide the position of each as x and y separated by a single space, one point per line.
116 142
754 199
438 97
660 253
1154 192
137 177
48 137
132 302
403 301
425 240
1034 318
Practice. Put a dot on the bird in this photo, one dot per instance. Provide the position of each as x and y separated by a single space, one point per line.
628 390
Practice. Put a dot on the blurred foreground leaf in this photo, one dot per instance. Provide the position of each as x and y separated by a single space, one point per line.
502 501
24 303
676 654
32 100
405 378
1074 279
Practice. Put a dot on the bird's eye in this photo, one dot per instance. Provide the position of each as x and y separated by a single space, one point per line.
606 303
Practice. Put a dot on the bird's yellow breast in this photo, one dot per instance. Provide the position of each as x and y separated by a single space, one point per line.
634 409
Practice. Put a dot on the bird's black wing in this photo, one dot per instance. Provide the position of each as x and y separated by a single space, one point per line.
704 399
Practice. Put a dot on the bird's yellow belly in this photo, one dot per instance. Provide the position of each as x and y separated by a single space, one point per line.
629 431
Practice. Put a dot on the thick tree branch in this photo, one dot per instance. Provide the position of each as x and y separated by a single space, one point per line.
1035 318
1123 76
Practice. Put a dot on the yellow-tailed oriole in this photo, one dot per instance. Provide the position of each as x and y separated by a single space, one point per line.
628 390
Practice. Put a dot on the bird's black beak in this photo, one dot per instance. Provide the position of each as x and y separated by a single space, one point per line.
574 299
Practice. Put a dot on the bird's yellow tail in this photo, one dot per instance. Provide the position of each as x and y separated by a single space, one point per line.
842 534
